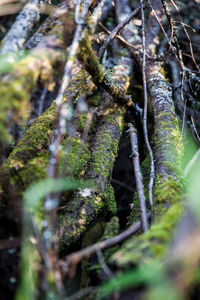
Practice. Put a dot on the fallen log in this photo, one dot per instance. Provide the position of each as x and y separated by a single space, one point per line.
87 204
168 151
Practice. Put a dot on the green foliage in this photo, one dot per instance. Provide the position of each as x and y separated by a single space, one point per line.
7 60
150 276
30 258
37 191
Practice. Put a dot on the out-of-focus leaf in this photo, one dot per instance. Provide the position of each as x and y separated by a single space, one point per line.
8 60
38 190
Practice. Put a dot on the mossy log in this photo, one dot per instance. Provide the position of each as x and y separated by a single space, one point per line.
88 203
31 154
168 151
99 76
29 160
42 63
22 27
168 146
61 17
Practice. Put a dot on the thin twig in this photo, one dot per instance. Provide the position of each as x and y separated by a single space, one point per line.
152 171
71 261
186 33
119 37
104 266
138 176
115 31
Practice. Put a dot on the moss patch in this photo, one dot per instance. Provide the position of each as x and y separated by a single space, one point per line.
153 244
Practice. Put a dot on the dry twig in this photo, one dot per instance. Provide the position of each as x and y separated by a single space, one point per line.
115 31
71 261
119 37
152 172
138 176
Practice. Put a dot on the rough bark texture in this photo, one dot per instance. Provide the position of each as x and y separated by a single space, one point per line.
22 27
168 149
88 203
43 63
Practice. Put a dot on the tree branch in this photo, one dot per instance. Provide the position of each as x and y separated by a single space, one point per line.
138 176
115 31
69 263
22 27
99 76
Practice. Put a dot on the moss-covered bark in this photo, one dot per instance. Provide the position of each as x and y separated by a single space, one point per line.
88 203
42 63
29 160
168 151
99 76
62 17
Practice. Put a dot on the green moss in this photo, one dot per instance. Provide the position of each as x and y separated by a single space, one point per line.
78 214
168 138
36 168
110 200
79 85
102 157
164 73
34 142
94 99
33 171
74 156
105 152
153 244
16 86
13 105
15 89
168 190
81 121
88 56
101 77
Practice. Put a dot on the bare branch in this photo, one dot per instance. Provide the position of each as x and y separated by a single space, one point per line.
138 176
73 259
115 31
22 27
119 37
152 172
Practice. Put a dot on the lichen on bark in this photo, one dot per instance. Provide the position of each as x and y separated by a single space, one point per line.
87 204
